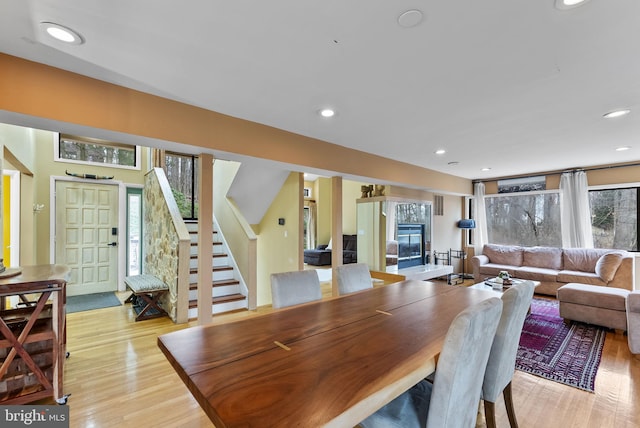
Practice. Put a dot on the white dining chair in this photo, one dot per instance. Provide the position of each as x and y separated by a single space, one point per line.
502 359
294 288
452 400
353 277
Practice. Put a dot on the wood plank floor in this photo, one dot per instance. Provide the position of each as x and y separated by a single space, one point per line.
119 378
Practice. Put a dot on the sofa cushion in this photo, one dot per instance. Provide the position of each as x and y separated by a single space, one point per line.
536 273
542 257
607 265
581 259
580 277
492 269
503 254
589 295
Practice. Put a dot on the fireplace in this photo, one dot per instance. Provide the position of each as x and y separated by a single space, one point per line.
410 245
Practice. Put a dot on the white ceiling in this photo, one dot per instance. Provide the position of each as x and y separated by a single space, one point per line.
518 86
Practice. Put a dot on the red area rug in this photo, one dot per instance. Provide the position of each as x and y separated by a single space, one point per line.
549 348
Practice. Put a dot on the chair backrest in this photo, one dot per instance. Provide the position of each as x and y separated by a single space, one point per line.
294 288
458 381
502 359
353 277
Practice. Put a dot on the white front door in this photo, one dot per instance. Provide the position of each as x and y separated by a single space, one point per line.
86 235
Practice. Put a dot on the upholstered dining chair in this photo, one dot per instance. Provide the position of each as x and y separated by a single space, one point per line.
452 399
516 302
294 288
353 277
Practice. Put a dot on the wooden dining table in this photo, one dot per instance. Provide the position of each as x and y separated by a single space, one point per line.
327 363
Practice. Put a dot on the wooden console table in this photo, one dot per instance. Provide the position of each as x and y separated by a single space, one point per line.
32 335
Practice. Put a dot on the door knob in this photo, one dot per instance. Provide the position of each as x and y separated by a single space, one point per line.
113 244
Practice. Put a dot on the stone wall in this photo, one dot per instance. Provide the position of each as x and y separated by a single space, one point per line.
161 239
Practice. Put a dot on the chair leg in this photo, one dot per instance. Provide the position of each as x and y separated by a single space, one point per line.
508 401
490 414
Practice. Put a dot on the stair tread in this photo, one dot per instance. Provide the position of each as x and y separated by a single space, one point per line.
220 299
215 269
195 256
217 283
195 244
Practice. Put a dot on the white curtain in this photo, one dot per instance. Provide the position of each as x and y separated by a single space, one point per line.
575 214
311 226
391 220
480 216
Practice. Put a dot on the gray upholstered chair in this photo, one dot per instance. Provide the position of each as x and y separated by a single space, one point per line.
633 322
294 288
516 302
353 277
452 400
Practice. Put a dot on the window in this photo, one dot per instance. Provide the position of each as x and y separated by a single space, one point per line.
181 173
91 151
614 218
134 231
524 219
305 219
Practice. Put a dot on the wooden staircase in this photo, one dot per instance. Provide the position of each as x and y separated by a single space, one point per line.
226 288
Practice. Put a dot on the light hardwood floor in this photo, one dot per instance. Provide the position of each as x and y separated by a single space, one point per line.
119 378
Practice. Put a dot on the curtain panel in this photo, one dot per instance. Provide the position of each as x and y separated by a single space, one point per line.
575 213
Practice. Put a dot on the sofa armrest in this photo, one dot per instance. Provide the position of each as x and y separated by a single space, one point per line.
633 321
625 275
322 247
476 262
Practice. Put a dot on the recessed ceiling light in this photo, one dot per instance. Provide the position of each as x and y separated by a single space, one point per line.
440 151
410 18
569 4
622 148
62 33
327 112
485 169
616 113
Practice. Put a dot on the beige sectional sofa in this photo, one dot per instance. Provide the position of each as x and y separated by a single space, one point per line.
554 267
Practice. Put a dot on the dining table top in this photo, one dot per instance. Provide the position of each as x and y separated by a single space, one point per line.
326 363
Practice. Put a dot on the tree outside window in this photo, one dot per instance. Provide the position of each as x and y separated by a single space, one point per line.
531 219
181 171
614 218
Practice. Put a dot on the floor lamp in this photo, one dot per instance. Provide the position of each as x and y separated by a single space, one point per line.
466 225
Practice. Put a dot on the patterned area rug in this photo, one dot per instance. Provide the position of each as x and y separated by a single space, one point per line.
549 348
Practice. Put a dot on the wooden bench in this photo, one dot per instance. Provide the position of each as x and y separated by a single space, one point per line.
146 291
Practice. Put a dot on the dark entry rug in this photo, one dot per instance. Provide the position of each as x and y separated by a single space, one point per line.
549 348
88 302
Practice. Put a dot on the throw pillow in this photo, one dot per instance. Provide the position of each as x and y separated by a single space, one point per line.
607 266
503 254
328 246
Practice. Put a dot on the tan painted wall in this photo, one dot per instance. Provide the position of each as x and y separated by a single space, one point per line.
603 176
18 144
350 193
19 141
278 246
236 233
28 232
40 91
446 234
323 204
45 167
